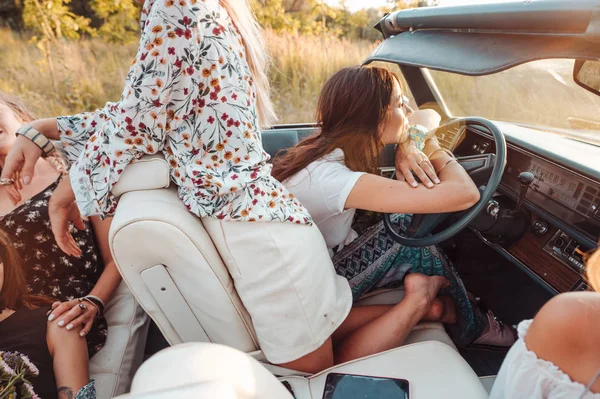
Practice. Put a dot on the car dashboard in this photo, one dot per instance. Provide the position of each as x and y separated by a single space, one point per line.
563 200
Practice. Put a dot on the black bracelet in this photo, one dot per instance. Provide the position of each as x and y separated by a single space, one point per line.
96 302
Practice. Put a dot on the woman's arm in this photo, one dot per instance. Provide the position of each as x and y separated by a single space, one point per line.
69 314
455 192
70 360
157 96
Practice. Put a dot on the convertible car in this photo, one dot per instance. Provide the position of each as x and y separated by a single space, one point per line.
517 85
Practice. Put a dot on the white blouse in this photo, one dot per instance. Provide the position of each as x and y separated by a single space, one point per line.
525 376
190 95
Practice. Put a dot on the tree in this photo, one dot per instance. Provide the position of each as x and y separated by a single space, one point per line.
53 20
119 19
401 4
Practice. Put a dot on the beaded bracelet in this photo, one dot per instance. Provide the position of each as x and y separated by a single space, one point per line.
37 138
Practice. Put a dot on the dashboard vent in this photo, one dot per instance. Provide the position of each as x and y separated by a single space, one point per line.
589 202
450 137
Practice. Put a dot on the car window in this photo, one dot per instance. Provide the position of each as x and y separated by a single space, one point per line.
539 93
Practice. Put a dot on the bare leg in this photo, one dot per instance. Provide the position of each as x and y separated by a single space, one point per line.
391 328
314 362
70 360
362 315
372 329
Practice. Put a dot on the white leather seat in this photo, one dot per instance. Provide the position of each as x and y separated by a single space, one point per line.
174 271
115 364
200 370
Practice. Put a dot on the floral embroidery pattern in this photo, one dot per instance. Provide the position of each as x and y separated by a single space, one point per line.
48 270
189 94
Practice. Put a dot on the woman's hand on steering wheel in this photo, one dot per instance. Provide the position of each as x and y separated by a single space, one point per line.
409 160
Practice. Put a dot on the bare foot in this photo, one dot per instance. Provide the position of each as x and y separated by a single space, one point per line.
420 286
449 316
436 311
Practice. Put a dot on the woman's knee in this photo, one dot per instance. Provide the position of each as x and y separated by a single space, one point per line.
59 337
314 362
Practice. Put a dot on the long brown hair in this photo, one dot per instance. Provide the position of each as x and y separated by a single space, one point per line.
14 294
353 104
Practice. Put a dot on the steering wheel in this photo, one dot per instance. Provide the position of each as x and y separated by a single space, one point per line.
481 168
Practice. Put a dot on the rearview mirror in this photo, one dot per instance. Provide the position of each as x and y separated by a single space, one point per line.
587 75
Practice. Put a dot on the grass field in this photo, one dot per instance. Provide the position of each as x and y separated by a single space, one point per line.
84 75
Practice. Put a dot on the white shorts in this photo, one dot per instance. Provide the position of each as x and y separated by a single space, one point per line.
286 280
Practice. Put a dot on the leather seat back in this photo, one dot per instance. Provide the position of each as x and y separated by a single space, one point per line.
175 272
171 265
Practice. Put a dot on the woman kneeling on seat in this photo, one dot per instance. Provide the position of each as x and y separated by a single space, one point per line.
335 172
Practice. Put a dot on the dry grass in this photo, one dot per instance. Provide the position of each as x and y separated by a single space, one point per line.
88 73
538 93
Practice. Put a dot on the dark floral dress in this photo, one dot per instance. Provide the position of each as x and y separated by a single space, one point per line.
50 271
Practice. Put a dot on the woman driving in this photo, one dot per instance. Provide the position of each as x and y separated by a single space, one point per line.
335 172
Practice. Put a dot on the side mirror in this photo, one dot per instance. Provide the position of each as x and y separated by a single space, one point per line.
587 75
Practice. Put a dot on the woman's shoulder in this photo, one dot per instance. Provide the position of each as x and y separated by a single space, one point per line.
572 315
566 331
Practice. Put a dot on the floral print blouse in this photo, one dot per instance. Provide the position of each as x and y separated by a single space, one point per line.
189 94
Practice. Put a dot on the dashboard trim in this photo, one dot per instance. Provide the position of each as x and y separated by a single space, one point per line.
531 154
585 239
548 217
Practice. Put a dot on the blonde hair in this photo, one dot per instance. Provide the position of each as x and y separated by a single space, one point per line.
593 270
243 18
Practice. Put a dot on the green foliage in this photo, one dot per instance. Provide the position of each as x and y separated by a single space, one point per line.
120 21
53 20
315 17
117 20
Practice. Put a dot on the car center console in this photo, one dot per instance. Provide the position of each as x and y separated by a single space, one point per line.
565 211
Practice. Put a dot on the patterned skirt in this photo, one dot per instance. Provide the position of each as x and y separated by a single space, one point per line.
375 260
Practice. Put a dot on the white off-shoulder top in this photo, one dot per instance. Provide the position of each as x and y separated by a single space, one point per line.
525 376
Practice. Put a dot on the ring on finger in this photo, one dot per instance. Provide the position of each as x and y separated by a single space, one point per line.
6 182
82 307
421 161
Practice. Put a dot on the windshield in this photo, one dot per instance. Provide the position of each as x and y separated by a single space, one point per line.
539 94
